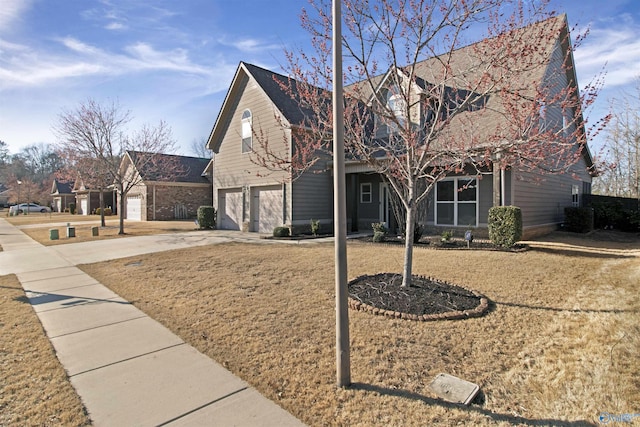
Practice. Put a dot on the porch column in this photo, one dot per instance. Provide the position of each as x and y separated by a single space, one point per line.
496 185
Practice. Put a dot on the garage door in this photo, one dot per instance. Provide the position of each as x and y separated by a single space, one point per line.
83 207
134 208
266 208
230 209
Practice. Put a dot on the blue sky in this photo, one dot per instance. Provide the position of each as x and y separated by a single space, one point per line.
174 60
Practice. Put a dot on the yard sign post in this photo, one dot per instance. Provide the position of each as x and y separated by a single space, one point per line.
343 366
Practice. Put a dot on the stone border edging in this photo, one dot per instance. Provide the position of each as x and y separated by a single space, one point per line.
479 311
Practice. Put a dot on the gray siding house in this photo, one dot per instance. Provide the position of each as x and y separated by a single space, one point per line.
249 197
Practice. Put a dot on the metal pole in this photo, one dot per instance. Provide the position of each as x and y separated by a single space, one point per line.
343 365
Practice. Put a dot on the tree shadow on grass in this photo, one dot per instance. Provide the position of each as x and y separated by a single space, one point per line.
581 253
508 418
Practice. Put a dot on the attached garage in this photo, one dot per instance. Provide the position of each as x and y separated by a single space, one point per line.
134 208
84 206
266 208
230 209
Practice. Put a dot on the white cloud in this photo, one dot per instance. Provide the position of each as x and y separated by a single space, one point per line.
11 11
617 48
250 45
115 26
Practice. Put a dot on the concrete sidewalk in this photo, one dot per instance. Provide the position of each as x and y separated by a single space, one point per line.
127 368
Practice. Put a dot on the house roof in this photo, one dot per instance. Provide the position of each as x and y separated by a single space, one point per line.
460 65
188 169
60 187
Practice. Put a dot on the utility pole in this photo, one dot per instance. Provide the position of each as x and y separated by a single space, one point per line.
343 363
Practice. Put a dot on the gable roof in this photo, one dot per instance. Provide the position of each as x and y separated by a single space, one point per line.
188 169
59 187
463 59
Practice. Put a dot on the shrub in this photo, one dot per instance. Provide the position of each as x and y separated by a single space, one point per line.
107 211
446 235
72 208
505 225
206 217
379 231
578 220
281 232
315 226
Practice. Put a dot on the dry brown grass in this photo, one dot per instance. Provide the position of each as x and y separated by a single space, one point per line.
34 389
559 347
83 232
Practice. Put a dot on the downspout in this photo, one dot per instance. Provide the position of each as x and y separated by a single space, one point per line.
502 187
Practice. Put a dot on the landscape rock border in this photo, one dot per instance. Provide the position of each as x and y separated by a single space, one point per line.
478 311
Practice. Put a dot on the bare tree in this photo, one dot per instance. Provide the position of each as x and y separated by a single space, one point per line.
94 136
199 148
622 177
422 103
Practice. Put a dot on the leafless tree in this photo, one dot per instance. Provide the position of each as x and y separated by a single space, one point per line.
95 137
622 176
423 102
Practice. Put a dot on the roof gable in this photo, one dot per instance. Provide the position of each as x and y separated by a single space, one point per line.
187 169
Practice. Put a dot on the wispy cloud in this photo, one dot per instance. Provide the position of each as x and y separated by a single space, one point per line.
10 12
614 46
250 45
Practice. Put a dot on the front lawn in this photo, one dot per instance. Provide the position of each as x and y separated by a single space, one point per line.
559 347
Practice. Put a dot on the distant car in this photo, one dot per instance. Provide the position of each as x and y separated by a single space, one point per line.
28 207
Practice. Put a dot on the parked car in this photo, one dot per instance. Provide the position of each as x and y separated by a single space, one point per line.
28 207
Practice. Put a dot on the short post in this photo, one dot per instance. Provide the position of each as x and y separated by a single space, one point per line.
468 236
94 231
53 234
71 231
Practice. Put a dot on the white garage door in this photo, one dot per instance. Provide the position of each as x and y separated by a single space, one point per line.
230 209
134 208
266 208
83 207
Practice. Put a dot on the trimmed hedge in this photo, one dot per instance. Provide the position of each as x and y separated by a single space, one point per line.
578 220
281 232
505 225
206 217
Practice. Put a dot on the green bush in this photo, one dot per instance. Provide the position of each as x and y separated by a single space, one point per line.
206 217
281 232
72 208
505 225
578 220
315 226
379 231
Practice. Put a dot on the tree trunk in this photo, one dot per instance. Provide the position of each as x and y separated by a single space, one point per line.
122 196
102 223
408 246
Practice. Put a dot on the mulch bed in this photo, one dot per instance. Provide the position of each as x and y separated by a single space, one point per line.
453 244
427 299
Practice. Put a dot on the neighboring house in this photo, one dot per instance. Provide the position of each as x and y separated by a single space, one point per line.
248 197
88 199
175 192
4 196
62 195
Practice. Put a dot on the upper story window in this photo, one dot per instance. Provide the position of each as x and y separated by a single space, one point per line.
247 132
457 202
394 104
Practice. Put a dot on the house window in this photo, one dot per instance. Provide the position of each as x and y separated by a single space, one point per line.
365 192
247 136
457 202
394 104
575 196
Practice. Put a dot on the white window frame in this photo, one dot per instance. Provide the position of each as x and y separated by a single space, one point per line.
246 128
455 202
368 192
575 196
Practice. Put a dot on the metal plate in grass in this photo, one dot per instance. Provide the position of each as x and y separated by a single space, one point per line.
454 389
